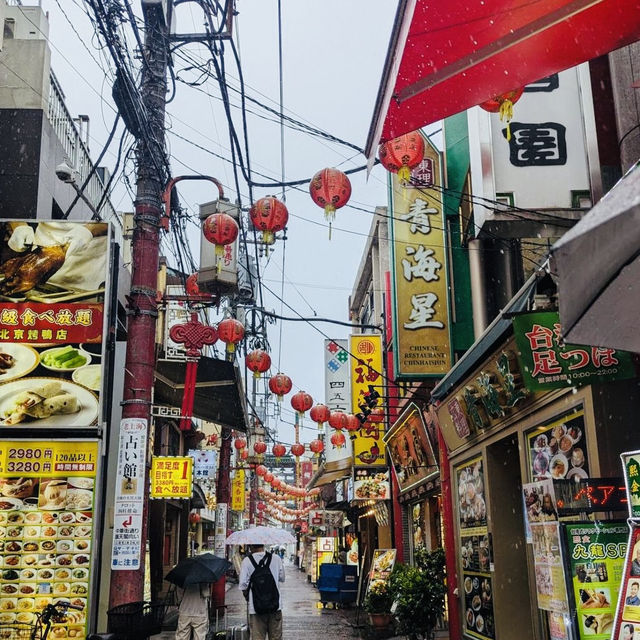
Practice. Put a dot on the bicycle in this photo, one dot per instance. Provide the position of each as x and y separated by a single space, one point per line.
38 630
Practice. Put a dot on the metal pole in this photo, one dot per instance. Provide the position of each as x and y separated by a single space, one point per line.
128 586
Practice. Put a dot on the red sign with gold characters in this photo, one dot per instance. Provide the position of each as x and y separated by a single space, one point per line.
54 281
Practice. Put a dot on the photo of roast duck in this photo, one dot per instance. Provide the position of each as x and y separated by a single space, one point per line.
26 272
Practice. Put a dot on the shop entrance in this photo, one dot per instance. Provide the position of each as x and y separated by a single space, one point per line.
512 600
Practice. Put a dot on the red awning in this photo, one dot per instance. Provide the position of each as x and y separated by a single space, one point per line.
446 56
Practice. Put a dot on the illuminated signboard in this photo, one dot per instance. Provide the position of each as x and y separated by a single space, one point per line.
588 495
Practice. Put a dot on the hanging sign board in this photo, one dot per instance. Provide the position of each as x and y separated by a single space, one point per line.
204 463
421 335
129 495
171 477
631 467
237 491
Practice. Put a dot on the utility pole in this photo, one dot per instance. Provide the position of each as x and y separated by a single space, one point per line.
128 585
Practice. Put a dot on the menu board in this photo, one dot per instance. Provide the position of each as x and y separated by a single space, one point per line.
475 550
46 530
371 484
52 322
596 553
558 449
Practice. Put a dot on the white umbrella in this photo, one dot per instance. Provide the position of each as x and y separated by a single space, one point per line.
598 266
260 535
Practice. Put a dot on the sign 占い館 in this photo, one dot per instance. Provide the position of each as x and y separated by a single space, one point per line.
546 363
171 477
54 287
421 335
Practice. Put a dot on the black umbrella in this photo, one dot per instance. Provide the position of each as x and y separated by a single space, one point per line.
198 569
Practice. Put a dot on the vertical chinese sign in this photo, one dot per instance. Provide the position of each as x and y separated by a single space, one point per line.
238 491
337 396
366 372
54 280
129 495
421 336
547 363
47 520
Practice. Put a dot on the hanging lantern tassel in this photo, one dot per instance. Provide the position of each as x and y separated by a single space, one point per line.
506 115
329 215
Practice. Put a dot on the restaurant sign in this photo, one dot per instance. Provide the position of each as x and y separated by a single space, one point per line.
238 491
422 331
410 449
631 467
172 477
548 363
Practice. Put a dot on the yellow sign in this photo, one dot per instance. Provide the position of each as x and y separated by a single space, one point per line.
31 458
171 477
366 371
421 336
237 491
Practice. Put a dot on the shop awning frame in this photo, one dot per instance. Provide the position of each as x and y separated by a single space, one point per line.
329 472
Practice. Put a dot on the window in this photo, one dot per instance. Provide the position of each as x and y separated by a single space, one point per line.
9 28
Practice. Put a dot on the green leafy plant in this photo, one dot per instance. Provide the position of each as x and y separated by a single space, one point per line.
418 592
379 597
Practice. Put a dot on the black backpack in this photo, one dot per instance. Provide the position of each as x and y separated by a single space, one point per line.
266 597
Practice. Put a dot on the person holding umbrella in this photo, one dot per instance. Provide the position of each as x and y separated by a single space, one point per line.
194 575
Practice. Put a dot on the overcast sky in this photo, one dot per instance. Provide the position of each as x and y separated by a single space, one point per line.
333 57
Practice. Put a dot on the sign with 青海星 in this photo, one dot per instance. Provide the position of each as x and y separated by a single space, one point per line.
421 336
546 363
366 375
171 477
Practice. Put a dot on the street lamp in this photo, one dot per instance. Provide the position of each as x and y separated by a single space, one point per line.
68 175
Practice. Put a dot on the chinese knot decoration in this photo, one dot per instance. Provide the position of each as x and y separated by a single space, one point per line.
279 385
258 361
230 331
269 215
503 104
402 154
194 335
320 413
220 229
330 189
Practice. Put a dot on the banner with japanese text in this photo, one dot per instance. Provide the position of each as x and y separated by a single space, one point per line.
366 372
631 467
54 288
47 510
547 363
337 396
422 332
238 491
172 477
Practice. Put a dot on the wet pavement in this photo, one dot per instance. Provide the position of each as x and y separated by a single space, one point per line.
304 618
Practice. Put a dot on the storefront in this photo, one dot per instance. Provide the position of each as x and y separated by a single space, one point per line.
504 430
413 452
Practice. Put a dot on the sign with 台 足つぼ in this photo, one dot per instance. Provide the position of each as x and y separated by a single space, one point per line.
171 477
421 325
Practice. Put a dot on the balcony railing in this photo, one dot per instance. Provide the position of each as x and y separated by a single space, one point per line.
78 155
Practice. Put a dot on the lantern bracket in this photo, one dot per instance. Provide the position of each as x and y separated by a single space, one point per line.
166 194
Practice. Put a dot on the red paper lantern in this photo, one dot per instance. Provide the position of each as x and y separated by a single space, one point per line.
279 450
338 439
268 477
402 154
269 215
301 402
244 454
280 385
240 443
261 470
297 449
259 447
230 331
330 189
194 518
191 285
503 104
376 415
258 361
338 420
320 414
352 424
220 229
317 446
261 506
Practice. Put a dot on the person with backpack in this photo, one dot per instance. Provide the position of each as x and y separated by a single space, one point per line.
260 575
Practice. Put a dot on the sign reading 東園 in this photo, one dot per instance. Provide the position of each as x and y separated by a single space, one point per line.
422 342
171 477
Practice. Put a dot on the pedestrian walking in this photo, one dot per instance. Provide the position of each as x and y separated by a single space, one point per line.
260 575
194 612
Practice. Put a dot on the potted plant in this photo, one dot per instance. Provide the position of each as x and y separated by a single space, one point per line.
377 603
418 593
